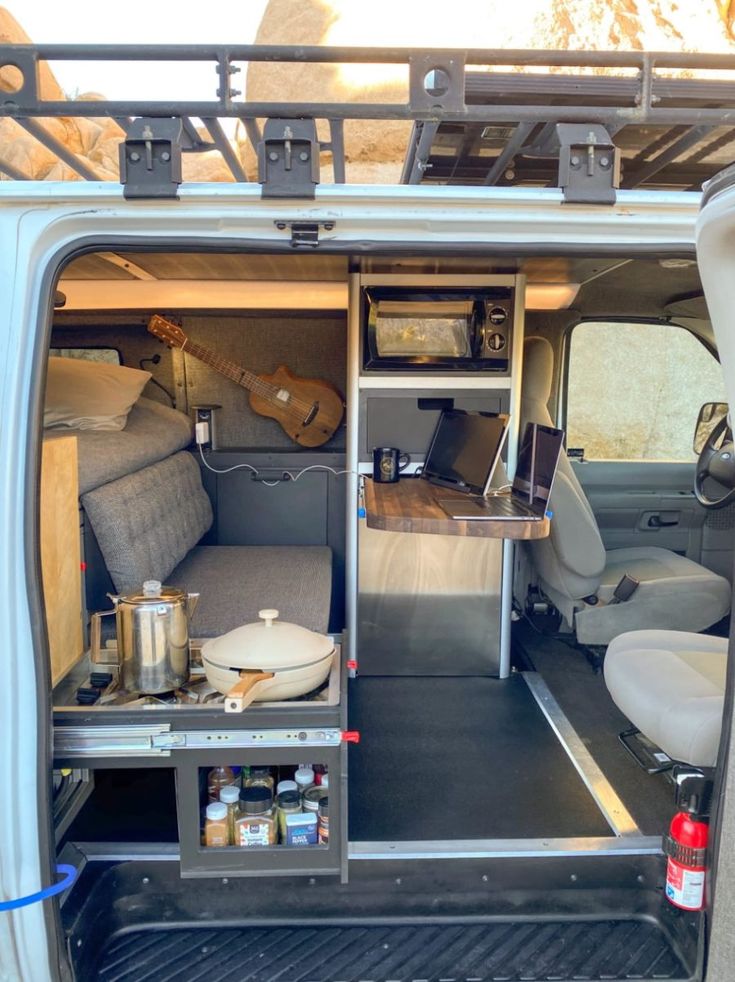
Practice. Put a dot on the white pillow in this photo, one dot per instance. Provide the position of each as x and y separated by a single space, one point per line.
90 395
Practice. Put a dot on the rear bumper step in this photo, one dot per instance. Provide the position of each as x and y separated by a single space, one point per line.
458 951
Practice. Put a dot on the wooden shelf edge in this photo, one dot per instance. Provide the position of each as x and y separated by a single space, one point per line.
409 506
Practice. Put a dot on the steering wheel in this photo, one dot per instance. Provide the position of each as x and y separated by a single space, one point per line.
717 463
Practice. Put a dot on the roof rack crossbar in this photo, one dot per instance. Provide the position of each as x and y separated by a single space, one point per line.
416 160
512 147
49 141
686 141
214 128
13 172
353 54
337 146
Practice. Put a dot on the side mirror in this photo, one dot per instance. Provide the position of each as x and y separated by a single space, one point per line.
709 416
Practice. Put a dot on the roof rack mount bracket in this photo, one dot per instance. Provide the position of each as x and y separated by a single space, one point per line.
304 233
437 82
150 158
288 158
589 164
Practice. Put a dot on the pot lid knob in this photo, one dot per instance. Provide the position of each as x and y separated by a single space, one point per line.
268 616
152 588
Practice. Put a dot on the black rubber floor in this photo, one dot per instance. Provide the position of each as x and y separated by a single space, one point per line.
460 758
457 952
584 698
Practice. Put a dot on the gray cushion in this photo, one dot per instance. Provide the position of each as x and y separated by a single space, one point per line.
671 685
153 432
146 523
235 582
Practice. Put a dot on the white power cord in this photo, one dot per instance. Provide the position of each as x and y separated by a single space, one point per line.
202 437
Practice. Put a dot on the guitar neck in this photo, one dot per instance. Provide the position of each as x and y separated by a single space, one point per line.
231 370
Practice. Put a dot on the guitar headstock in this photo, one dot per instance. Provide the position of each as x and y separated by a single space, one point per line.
167 331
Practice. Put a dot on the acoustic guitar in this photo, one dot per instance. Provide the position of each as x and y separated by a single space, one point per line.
308 409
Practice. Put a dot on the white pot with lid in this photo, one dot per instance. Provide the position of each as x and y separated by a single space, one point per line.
267 661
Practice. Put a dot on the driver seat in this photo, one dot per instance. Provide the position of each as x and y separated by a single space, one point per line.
574 568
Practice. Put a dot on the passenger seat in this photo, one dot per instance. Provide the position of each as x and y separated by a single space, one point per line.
671 686
572 563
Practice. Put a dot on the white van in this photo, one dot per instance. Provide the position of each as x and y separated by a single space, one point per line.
285 696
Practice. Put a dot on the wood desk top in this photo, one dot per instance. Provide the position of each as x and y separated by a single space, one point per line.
410 505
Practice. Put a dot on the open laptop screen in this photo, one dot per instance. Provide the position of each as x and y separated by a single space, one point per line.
538 456
465 448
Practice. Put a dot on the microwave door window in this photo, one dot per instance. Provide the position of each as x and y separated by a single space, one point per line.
409 330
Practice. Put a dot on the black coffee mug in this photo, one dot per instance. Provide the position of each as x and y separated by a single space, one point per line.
388 462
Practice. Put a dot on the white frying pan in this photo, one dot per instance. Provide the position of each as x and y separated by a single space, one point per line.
268 661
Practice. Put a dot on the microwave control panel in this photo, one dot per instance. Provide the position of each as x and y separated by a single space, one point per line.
496 335
426 330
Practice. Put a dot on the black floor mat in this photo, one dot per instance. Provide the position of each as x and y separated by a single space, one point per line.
460 758
584 698
454 952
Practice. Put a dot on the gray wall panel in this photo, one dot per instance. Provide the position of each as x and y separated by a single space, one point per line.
310 346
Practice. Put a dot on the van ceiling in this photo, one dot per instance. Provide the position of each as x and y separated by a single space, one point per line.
640 287
205 266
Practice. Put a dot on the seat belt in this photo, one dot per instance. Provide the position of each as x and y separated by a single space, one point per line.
625 589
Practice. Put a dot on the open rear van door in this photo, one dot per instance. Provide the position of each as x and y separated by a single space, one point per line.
716 257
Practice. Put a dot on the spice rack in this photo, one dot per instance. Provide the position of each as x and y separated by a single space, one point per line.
276 750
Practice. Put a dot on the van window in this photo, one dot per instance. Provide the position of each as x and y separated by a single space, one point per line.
634 390
109 355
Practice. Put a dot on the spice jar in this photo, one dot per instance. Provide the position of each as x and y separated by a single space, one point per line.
286 786
312 797
323 821
216 826
218 778
301 830
259 777
304 778
325 781
287 803
230 796
255 825
319 771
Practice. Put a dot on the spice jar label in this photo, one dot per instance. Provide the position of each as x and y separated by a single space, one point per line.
254 834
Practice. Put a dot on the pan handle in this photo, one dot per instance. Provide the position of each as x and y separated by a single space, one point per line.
243 692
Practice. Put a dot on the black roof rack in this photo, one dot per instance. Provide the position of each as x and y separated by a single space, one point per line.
538 118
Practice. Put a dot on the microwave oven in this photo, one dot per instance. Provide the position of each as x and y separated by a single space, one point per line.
454 329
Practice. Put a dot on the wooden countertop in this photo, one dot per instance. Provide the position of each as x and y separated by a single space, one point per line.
410 505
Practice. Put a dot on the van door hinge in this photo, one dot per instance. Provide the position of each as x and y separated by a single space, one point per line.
150 158
305 233
288 158
589 164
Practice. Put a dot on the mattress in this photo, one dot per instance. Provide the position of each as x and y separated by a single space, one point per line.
152 433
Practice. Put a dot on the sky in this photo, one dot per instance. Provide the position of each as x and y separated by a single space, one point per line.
136 22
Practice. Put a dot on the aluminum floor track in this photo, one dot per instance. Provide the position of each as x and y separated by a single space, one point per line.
525 951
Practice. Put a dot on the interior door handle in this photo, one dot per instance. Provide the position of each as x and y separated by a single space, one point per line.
656 522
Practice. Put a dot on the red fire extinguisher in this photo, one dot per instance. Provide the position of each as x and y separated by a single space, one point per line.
686 848
686 844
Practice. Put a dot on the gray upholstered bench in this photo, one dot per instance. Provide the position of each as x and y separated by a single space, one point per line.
148 525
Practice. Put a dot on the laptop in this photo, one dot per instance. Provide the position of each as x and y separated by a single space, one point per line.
464 450
528 498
